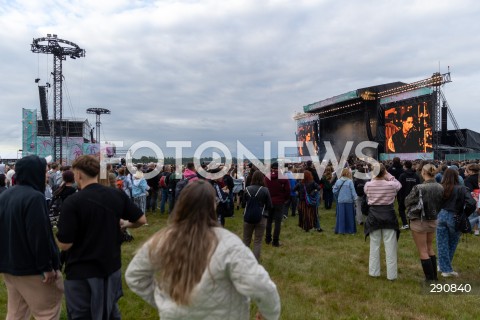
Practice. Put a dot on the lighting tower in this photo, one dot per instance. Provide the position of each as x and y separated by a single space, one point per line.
98 112
60 50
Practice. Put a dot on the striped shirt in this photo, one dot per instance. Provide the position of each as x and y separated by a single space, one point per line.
382 192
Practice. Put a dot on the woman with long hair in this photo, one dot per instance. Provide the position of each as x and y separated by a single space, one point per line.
424 224
345 210
455 197
327 182
194 269
382 223
308 212
257 190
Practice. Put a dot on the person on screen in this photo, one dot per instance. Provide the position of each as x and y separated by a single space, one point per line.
406 140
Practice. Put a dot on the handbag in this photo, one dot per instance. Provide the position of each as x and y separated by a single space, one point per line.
311 200
462 223
418 209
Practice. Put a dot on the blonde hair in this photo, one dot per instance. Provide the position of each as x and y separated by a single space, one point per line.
181 252
346 172
429 170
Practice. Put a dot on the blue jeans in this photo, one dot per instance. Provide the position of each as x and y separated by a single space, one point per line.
447 240
166 196
474 219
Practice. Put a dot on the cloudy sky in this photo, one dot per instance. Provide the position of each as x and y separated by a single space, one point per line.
233 69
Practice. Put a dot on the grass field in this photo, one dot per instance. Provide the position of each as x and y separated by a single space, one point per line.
325 276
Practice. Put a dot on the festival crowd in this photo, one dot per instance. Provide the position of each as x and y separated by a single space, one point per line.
61 222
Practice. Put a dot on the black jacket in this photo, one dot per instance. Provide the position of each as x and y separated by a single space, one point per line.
395 171
459 198
381 217
471 182
27 245
432 194
408 179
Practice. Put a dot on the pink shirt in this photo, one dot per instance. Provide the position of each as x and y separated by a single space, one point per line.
382 192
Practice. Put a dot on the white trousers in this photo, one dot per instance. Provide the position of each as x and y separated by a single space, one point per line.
390 242
358 210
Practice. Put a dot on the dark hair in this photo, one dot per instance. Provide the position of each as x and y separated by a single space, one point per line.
396 160
68 177
190 166
406 115
258 179
2 180
408 164
474 168
382 172
88 165
449 180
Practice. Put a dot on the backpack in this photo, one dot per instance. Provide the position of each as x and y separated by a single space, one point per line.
253 212
162 183
119 183
180 185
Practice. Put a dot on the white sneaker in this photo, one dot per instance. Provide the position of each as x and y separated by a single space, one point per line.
405 227
449 274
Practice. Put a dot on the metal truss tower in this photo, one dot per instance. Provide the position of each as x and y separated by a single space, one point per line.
60 49
98 112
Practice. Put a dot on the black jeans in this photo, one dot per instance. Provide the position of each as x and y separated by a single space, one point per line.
152 199
291 203
401 211
275 215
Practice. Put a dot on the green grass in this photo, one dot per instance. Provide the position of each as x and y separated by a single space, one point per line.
325 276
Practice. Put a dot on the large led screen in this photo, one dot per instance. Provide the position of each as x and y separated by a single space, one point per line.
307 131
408 126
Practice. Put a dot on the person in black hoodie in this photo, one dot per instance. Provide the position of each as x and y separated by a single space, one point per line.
396 168
408 179
29 257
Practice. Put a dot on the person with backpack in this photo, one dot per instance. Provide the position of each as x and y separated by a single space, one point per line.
257 203
189 174
222 198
